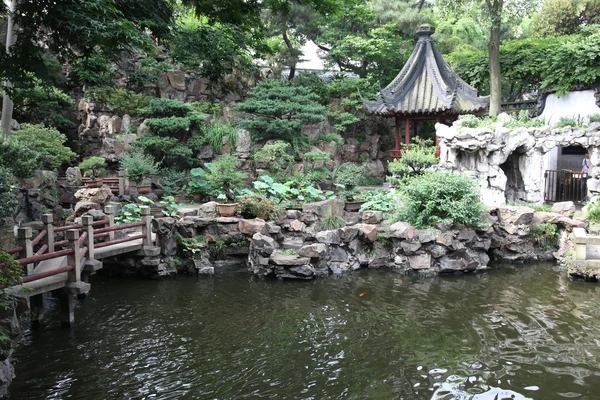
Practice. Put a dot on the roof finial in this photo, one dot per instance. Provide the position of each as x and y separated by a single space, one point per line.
426 30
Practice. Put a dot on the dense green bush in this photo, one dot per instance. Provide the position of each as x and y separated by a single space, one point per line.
278 110
48 144
215 131
122 101
257 206
173 181
225 177
441 197
164 108
40 104
11 272
414 161
169 126
593 213
317 156
348 174
94 70
137 166
276 156
17 157
93 166
8 193
330 137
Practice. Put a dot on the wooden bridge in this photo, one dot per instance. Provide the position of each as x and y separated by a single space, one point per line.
64 267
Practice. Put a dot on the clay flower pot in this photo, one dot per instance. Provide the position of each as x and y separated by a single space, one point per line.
226 210
144 189
94 183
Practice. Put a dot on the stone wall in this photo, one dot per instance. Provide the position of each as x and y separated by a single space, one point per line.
509 164
295 248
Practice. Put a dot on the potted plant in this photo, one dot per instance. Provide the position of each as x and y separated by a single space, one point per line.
353 199
92 167
224 177
225 208
139 167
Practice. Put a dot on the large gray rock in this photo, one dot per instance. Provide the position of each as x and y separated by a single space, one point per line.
263 243
420 261
252 226
97 195
315 250
176 79
243 142
73 175
321 209
208 210
287 260
328 237
566 208
515 215
402 230
83 207
372 217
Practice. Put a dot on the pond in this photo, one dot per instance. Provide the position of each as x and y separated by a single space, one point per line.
515 332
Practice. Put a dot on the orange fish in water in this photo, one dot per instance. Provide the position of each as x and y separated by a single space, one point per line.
362 294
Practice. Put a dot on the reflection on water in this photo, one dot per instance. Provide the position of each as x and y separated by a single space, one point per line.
511 333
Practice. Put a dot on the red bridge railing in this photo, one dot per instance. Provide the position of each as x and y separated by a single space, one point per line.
80 242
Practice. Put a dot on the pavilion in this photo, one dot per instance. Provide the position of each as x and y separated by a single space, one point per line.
426 89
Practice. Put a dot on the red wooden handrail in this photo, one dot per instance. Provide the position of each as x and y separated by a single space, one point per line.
61 243
100 223
66 228
82 238
117 241
82 252
119 227
47 256
39 237
41 250
46 274
100 235
15 250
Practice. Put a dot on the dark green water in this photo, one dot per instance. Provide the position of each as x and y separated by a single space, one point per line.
516 332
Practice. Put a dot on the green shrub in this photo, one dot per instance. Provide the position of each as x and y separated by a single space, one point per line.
275 155
369 180
287 252
278 110
414 161
8 193
348 174
441 197
594 118
593 213
43 104
330 137
208 107
11 272
137 166
224 176
95 70
47 143
566 121
164 108
17 157
93 166
168 126
380 200
544 235
132 212
257 206
469 121
172 181
317 156
122 101
332 222
215 131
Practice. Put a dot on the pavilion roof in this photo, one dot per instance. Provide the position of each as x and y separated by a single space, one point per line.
427 86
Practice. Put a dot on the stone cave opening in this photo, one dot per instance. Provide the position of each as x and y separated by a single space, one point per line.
515 186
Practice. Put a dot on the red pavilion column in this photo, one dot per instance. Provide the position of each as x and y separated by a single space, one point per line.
437 140
407 131
397 133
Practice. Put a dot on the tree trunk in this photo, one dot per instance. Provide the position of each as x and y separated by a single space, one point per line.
7 103
289 45
494 53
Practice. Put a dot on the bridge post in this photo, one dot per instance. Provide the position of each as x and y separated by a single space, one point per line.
24 239
110 212
74 259
147 227
121 186
48 220
87 221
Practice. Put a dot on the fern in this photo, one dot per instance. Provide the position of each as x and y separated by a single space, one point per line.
332 222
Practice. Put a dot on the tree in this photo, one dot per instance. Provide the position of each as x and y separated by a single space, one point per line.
278 110
494 11
354 40
564 17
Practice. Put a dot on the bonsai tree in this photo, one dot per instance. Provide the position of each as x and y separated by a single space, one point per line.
93 167
138 166
224 176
